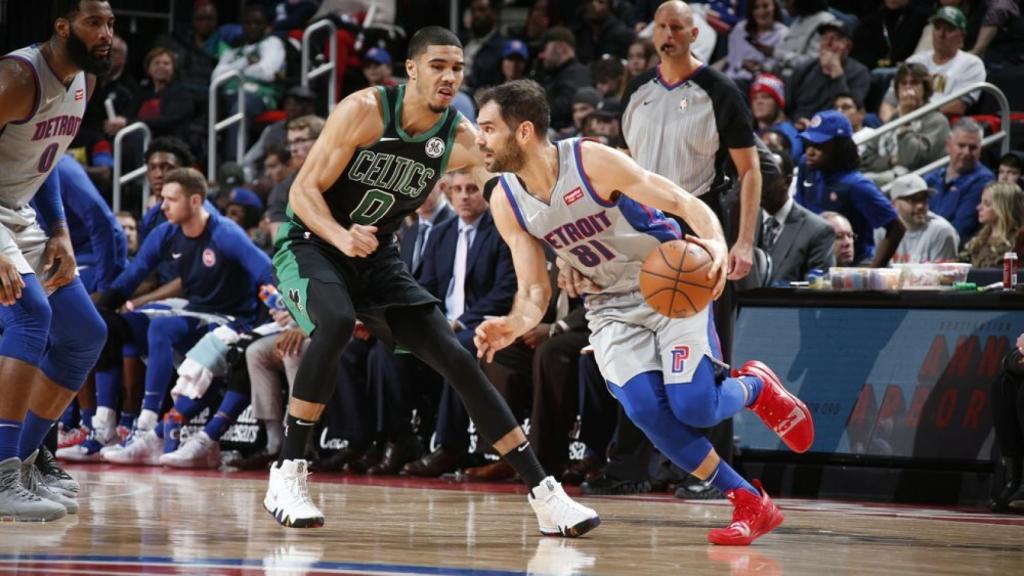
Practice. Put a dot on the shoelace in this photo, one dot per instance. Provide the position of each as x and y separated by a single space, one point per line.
47 464
11 482
297 486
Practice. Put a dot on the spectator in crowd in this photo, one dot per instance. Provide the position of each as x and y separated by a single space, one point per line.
483 51
768 103
889 35
797 239
959 184
601 32
260 59
164 103
298 101
584 103
603 123
845 237
130 225
752 41
481 285
951 68
198 48
815 85
302 133
1001 214
929 237
995 30
855 112
1008 422
292 14
514 59
563 74
1011 167
275 170
532 30
777 142
609 74
829 180
912 145
640 58
802 38
245 208
122 91
377 68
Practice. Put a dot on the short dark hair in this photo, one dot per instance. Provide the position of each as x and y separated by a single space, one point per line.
171 145
67 8
190 179
607 69
856 101
520 101
431 36
282 154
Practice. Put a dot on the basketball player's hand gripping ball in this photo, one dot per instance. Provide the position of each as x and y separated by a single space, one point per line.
681 278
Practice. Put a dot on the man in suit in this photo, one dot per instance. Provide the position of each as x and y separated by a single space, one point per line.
397 380
468 267
797 239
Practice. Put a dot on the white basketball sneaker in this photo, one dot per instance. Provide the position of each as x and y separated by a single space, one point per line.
288 498
198 451
32 480
89 450
558 514
18 504
144 448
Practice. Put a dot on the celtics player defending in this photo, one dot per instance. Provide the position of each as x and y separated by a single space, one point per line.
376 161
601 213
52 334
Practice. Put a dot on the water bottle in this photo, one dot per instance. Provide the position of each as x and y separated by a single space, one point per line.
272 298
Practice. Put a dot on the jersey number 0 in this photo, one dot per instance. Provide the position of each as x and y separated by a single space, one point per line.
374 205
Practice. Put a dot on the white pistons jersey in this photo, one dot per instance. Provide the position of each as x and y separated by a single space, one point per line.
30 148
607 241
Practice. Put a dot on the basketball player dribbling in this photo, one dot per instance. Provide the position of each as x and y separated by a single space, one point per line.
602 214
375 162
52 332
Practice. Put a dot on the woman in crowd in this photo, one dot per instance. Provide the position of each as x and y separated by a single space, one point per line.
752 41
1001 215
768 102
165 104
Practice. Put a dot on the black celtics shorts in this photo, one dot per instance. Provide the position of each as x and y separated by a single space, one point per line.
375 284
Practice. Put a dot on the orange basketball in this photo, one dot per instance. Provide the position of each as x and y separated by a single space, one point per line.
674 279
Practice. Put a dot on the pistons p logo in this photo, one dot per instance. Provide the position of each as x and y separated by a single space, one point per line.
680 354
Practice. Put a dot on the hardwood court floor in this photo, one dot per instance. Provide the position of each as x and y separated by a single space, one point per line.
152 521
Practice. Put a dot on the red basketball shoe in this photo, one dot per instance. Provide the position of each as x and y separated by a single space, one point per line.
779 409
752 517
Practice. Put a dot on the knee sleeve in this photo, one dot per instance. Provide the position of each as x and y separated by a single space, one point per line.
26 324
76 338
332 313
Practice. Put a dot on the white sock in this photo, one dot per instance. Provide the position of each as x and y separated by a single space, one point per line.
147 420
104 418
275 435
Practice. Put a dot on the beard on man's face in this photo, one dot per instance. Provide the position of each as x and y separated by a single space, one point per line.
511 159
84 59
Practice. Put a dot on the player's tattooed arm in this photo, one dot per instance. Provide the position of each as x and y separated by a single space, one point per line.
355 122
17 92
611 171
533 294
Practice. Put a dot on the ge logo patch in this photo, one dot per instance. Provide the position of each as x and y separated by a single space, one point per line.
680 354
209 258
435 147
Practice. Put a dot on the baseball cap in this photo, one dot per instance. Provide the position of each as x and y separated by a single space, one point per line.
301 92
558 34
825 126
839 26
378 55
952 15
515 47
245 197
908 185
587 95
771 85
229 175
608 108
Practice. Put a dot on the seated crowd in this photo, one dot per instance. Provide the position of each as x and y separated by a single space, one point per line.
821 82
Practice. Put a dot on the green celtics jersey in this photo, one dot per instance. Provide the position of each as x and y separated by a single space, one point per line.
387 180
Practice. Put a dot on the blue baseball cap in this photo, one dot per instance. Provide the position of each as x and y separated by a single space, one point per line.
827 125
515 48
378 55
245 197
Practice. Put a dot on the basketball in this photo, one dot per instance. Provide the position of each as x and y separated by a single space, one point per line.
674 279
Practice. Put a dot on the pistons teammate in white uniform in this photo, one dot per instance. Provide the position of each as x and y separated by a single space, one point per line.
52 334
602 214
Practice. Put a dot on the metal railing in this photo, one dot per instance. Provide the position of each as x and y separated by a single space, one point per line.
213 126
1003 135
330 67
139 172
